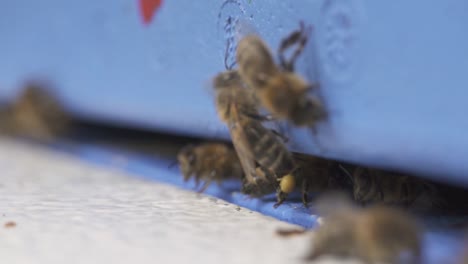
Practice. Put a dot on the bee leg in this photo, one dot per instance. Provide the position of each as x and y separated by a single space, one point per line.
406 192
280 198
197 181
211 177
219 181
305 196
320 147
381 194
204 186
172 164
347 173
246 188
298 37
268 118
285 44
187 176
284 138
258 117
314 130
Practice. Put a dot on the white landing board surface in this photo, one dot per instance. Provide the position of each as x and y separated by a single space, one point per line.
70 211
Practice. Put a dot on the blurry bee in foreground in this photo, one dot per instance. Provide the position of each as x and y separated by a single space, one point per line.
36 113
464 255
209 162
281 91
374 235
267 163
380 187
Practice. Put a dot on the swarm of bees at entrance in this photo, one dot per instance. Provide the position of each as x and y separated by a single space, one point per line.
267 166
36 113
259 83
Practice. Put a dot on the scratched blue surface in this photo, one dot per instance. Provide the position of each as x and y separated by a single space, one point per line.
439 246
393 74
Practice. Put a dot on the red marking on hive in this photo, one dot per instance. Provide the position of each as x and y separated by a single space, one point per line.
148 8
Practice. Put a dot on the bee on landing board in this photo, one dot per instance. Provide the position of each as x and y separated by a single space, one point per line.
209 162
318 175
36 113
375 235
267 163
281 91
312 175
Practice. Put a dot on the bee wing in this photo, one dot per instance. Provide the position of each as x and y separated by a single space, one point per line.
208 88
242 145
243 151
244 28
256 182
255 60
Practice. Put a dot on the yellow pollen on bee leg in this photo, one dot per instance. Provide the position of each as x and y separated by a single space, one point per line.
287 183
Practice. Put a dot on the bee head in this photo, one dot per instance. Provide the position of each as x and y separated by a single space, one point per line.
226 79
302 109
287 183
307 110
187 160
362 184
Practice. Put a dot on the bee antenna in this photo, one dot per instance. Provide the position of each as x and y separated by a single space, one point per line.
172 164
346 172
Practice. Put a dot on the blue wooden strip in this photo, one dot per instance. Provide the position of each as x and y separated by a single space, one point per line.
157 169
393 74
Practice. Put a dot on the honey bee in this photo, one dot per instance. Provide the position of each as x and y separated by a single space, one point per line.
267 163
318 175
380 187
36 113
209 162
281 91
375 235
312 175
